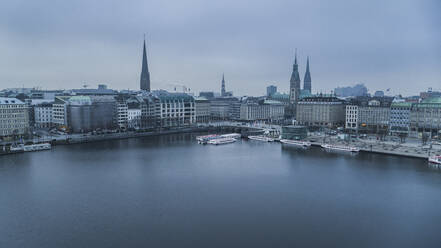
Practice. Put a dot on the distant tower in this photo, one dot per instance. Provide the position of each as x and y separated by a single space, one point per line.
145 74
294 88
307 79
223 92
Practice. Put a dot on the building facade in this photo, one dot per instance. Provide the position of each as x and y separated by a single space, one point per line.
90 113
351 118
43 115
399 122
59 111
321 111
14 117
203 109
426 116
267 110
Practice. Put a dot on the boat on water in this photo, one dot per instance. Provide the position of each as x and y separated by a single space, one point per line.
205 138
37 147
261 138
231 135
340 148
300 143
221 141
435 159
16 148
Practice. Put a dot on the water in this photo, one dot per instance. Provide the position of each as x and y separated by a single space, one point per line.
171 192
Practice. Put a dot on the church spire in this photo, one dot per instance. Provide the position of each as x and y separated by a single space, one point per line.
307 78
223 92
145 74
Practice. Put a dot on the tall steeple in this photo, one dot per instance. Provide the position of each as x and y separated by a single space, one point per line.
307 79
294 87
223 92
145 74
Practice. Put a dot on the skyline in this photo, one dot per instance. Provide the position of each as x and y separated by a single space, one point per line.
249 44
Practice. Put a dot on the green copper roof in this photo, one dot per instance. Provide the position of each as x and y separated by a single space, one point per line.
432 100
401 104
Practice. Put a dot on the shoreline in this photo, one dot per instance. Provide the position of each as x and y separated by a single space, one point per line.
79 139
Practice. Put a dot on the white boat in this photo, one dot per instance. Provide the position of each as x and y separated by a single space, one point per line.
221 141
17 148
205 138
261 138
296 142
37 147
435 159
231 135
340 148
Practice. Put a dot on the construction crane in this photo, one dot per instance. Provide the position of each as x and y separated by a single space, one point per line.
181 87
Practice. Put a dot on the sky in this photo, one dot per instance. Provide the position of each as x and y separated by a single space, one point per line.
64 44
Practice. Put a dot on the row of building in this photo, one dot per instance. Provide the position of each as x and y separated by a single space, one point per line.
372 114
141 111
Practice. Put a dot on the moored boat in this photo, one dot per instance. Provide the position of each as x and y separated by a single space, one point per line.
221 141
205 138
300 143
37 147
435 159
261 138
231 135
340 148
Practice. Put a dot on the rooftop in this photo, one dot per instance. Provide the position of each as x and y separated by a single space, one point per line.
8 100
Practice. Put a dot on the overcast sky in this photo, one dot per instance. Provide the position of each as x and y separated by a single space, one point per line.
62 44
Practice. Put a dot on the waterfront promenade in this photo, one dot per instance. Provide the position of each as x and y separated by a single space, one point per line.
412 148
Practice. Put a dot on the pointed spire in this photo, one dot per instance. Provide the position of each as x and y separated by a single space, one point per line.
307 78
295 57
145 75
223 92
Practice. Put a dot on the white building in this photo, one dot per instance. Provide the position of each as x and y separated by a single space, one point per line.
43 115
59 111
134 117
269 110
351 117
14 117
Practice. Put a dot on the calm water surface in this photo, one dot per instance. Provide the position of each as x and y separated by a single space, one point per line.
171 192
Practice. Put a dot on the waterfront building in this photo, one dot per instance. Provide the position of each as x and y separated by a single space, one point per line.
321 111
134 115
43 115
14 117
221 108
426 116
370 115
150 111
59 111
307 79
351 117
262 110
145 74
176 109
203 109
399 122
271 90
374 117
294 132
121 111
89 113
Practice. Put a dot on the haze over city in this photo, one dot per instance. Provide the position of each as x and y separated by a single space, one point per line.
61 45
